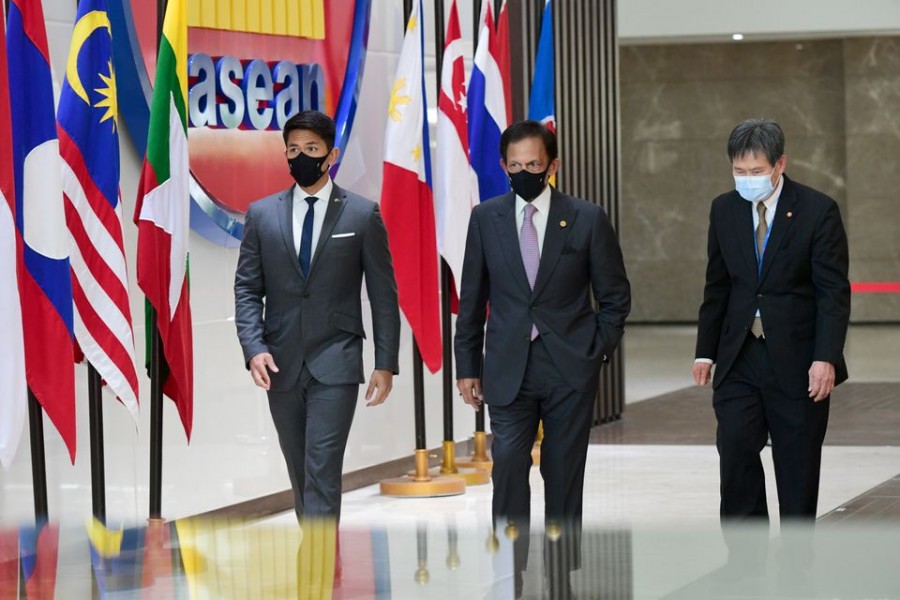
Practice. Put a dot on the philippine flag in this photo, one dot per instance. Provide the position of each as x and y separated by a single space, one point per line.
45 282
406 197
488 116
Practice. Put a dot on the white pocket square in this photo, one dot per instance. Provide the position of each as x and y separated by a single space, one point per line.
343 235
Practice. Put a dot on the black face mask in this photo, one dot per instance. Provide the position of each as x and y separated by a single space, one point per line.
306 170
528 186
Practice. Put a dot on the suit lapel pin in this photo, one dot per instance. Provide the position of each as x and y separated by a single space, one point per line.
563 224
790 214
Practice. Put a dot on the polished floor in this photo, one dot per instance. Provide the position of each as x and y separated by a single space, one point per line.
651 526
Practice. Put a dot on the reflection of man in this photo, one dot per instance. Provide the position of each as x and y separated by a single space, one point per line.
773 319
536 255
303 257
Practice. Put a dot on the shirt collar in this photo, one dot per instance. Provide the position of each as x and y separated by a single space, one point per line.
541 203
323 194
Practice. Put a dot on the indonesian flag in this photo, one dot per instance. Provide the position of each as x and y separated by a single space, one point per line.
13 390
163 209
406 199
456 183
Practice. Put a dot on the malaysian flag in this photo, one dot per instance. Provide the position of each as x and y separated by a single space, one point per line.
89 145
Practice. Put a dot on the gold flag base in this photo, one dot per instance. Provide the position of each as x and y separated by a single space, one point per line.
450 468
479 458
420 484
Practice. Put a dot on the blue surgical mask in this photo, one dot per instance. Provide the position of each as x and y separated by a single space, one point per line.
754 188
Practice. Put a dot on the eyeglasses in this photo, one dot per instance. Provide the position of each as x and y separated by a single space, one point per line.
534 166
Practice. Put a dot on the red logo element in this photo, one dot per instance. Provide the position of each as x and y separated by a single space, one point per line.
237 154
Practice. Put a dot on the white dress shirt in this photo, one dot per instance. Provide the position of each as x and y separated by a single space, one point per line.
770 204
539 218
301 206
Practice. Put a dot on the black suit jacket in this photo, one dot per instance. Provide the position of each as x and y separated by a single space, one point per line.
802 290
580 255
316 320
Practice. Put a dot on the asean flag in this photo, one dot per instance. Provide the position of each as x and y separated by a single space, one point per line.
45 283
406 199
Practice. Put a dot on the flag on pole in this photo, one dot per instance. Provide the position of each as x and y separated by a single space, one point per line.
13 389
162 213
89 145
406 197
488 116
456 185
503 58
541 102
45 281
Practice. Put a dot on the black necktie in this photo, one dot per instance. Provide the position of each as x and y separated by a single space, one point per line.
306 236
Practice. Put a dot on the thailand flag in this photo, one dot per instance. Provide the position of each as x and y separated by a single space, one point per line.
45 282
487 104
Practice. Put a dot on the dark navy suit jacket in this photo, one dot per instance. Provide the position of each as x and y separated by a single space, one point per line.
580 257
802 290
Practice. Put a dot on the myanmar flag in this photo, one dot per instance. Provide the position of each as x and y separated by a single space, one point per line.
163 209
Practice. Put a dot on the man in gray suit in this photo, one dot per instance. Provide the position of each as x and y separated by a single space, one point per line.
299 316
535 255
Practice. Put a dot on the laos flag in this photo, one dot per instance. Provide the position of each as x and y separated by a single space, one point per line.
45 281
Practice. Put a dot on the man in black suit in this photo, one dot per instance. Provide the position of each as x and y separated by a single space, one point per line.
773 321
535 256
298 311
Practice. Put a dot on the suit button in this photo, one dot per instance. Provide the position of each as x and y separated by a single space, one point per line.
306 294
527 337
760 296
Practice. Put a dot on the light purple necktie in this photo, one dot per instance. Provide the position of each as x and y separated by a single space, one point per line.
531 253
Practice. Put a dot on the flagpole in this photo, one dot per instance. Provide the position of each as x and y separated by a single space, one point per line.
156 396
479 457
95 412
156 418
38 460
98 467
449 465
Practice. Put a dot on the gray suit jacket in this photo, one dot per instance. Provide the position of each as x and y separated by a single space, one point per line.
317 320
580 255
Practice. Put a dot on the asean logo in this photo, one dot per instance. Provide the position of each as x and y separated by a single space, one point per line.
251 65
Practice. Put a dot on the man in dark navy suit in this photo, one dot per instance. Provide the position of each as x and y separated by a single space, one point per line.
538 258
773 321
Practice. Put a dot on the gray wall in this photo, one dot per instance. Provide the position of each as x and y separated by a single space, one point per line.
839 104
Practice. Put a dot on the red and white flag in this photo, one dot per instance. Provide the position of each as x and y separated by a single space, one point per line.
456 184
406 198
13 389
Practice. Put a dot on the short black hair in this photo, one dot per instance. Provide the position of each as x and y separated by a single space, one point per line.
312 120
756 136
529 129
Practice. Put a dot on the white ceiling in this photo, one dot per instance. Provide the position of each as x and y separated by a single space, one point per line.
653 21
